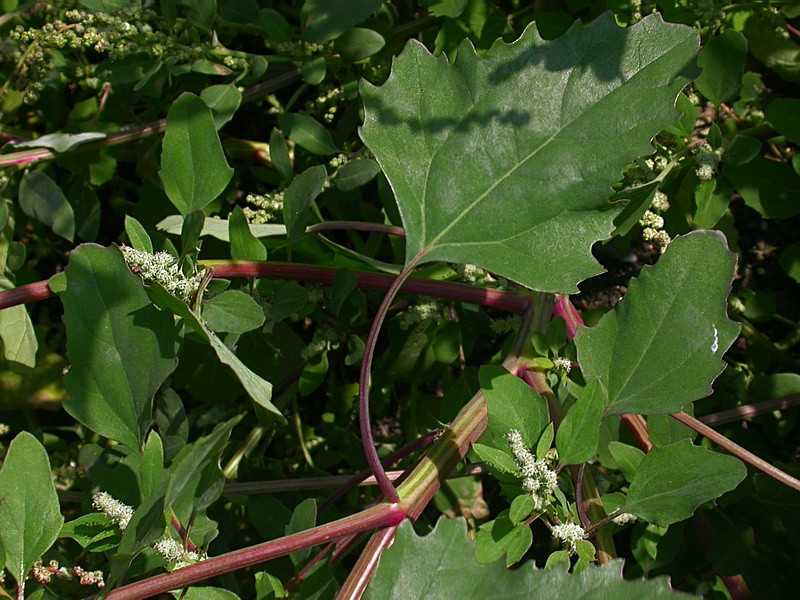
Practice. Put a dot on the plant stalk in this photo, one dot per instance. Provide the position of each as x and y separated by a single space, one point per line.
739 452
383 515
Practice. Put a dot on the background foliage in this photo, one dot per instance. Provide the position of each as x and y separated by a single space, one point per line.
146 143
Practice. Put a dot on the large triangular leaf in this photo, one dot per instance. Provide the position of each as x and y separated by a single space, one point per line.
662 345
506 160
441 566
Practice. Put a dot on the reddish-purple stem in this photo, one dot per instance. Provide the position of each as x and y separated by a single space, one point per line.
739 452
751 410
182 532
571 316
364 381
584 518
384 515
354 587
501 300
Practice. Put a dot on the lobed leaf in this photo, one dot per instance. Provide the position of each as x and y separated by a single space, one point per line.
506 160
672 481
440 566
662 345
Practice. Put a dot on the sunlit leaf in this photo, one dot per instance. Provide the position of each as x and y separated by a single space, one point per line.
662 345
506 160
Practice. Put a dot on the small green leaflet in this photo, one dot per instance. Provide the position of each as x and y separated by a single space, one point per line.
506 160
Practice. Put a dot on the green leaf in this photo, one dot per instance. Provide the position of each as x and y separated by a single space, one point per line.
219 228
190 233
313 374
358 44
412 569
298 198
742 149
259 390
244 245
672 481
95 532
279 153
712 198
223 100
502 537
445 8
496 160
772 188
545 441
579 433
496 458
16 332
40 198
307 133
201 13
356 173
313 70
151 471
512 404
120 347
639 199
790 261
137 235
207 593
324 20
233 311
304 517
30 514
196 471
61 142
628 458
194 170
521 507
722 61
784 114
662 345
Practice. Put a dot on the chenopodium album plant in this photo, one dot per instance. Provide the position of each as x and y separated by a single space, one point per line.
501 160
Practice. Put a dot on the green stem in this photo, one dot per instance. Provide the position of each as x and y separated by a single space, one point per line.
739 452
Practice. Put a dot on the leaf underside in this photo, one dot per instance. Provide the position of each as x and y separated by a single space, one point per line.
506 160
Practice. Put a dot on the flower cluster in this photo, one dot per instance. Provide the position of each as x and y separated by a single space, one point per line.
538 479
569 535
176 553
507 324
298 49
624 519
44 574
118 512
324 337
653 223
474 275
162 268
267 207
707 160
561 365
326 104
417 313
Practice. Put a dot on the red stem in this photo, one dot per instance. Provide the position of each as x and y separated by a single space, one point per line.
384 515
364 381
513 302
751 410
357 226
354 587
